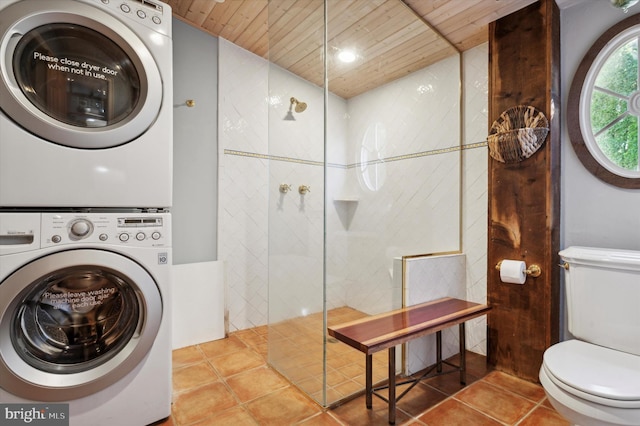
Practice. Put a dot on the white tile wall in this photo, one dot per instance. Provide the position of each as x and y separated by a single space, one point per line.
243 191
474 188
263 232
430 278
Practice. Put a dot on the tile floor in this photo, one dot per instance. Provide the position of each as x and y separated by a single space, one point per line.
228 382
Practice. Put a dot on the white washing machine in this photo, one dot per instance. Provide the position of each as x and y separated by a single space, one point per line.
85 315
86 103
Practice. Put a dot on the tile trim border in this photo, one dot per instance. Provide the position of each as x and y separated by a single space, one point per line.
353 165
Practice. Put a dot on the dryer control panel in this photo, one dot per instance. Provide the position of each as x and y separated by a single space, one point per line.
132 229
151 13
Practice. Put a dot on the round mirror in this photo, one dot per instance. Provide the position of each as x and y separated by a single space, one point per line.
604 106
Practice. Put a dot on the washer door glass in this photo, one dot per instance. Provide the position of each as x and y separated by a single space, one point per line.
75 318
76 75
75 322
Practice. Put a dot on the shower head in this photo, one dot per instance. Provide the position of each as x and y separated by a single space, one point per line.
300 106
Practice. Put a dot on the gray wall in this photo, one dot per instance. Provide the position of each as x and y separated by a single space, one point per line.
195 152
594 213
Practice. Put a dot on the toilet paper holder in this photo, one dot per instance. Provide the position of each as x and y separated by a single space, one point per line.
532 270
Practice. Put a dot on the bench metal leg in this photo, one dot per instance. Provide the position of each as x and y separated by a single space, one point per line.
392 385
369 380
463 357
439 351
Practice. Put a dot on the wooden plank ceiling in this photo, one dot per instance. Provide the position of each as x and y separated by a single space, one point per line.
391 38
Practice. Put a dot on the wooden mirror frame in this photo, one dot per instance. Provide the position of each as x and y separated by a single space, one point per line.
573 108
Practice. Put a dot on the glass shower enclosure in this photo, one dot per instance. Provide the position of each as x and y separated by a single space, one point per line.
364 170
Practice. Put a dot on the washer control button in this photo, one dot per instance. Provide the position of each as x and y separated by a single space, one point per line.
124 237
140 236
156 235
103 237
56 239
80 228
156 20
141 14
125 8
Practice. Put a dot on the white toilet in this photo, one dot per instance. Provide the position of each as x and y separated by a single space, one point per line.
594 379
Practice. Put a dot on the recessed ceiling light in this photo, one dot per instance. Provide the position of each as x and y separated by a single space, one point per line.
347 56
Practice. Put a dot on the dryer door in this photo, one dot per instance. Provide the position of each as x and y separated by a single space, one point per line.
75 75
74 322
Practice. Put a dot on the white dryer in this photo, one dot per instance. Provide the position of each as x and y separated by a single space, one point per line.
86 103
85 314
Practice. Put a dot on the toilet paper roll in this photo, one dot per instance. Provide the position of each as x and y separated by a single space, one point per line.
513 271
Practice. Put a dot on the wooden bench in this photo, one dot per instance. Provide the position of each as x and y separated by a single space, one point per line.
385 331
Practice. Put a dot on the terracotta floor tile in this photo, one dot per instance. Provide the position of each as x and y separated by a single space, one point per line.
531 391
186 356
263 330
449 383
197 404
547 403
355 413
335 377
283 407
419 399
476 364
495 402
452 412
311 385
228 382
250 337
236 416
237 362
256 383
192 376
322 419
542 416
354 369
349 388
333 395
222 347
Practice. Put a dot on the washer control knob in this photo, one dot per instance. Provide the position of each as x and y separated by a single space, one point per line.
140 236
124 237
80 228
56 239
156 235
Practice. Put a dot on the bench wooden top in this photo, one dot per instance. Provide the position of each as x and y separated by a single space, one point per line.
374 333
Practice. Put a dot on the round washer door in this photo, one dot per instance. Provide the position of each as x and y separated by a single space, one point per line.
74 322
75 75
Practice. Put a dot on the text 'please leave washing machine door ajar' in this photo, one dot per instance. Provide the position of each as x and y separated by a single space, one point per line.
75 321
73 80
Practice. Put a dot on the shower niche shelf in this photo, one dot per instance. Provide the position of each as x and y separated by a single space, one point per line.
346 209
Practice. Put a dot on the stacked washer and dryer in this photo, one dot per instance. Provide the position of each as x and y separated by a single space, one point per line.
85 189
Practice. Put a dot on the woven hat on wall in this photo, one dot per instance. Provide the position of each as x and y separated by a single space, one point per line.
517 134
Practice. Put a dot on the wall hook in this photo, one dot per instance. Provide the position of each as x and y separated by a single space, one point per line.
190 103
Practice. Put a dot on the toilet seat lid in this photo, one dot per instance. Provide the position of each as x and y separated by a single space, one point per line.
595 370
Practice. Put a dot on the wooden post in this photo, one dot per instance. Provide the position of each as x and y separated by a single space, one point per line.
524 197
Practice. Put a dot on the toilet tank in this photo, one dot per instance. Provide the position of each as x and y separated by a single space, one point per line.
603 296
